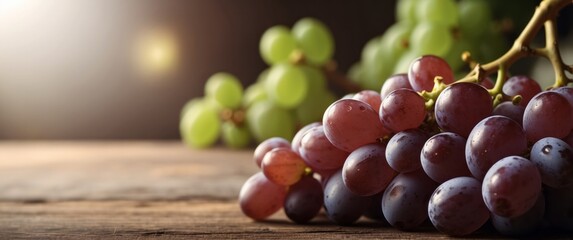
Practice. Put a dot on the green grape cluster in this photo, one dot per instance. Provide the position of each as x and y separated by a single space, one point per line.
290 93
444 28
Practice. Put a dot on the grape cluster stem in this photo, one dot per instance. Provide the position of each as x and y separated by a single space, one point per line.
544 16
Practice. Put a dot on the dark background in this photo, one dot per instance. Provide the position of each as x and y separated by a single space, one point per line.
66 67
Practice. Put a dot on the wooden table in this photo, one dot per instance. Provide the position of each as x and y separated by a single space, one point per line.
71 190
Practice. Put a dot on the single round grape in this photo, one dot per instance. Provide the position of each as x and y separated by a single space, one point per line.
350 124
566 92
395 82
377 68
523 86
315 40
452 111
443 157
297 139
396 40
319 153
254 93
548 114
456 207
405 201
402 109
558 207
200 125
342 206
266 120
235 136
277 44
403 150
369 96
510 110
524 224
283 166
511 186
366 171
492 139
554 159
286 85
423 70
226 89
443 12
431 38
266 146
303 200
259 198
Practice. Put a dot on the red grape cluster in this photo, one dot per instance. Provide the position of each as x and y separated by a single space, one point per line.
459 159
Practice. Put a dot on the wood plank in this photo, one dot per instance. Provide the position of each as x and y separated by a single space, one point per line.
170 220
140 170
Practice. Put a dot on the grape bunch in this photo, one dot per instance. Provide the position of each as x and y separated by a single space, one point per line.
291 92
445 28
459 153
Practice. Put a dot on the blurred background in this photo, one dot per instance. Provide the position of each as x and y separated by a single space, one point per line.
109 69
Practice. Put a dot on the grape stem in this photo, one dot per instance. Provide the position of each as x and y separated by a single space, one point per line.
545 15
339 79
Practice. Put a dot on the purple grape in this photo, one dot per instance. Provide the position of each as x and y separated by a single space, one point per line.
548 114
523 86
402 109
492 139
461 106
395 82
268 145
371 97
303 200
456 207
510 110
511 186
366 171
554 159
295 143
566 92
424 69
443 157
405 201
319 153
403 150
259 198
350 124
342 206
523 224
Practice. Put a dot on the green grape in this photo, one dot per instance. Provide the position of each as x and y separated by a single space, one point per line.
370 49
454 56
225 89
477 18
406 11
263 75
235 136
403 63
315 40
355 72
397 39
444 12
254 93
265 120
200 124
277 44
286 85
430 38
313 107
377 70
315 78
493 47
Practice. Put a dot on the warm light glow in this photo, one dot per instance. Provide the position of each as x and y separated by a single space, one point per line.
156 53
